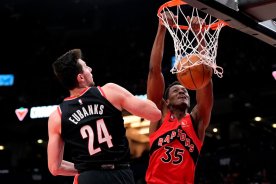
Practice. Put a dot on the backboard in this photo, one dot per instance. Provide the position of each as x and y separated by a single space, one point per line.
254 17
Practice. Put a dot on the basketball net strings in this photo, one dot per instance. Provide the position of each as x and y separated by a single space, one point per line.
188 42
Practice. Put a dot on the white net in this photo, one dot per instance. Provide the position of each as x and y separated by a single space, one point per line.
188 41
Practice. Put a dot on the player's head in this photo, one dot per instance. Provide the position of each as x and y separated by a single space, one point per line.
72 71
177 95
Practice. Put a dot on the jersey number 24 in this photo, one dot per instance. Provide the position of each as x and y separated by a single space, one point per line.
103 136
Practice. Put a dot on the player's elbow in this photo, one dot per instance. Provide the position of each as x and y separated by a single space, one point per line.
155 69
53 170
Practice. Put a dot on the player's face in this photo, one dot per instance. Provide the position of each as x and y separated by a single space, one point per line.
178 96
87 73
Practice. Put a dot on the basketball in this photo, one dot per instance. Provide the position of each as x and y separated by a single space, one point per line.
194 77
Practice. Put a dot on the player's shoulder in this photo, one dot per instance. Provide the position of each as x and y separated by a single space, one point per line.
112 87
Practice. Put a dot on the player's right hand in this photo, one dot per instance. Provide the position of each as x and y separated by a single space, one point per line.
169 17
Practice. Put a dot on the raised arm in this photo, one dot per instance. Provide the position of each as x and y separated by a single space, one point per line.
156 83
201 113
123 99
56 164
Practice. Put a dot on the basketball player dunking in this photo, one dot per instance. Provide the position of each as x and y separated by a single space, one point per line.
176 139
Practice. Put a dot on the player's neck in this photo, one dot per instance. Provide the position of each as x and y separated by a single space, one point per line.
77 91
178 113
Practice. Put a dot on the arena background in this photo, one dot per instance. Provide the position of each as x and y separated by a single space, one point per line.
116 38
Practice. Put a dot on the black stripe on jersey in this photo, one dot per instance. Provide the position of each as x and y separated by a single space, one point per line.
182 137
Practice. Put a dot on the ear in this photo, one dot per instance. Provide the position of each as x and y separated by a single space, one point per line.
80 77
167 102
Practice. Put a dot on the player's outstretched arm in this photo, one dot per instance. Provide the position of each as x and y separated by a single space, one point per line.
121 98
156 83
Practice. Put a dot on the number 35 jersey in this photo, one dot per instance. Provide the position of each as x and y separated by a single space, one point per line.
174 150
93 129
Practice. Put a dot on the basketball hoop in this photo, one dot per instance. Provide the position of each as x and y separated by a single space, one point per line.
189 42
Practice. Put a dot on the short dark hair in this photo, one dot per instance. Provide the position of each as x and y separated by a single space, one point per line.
66 68
166 94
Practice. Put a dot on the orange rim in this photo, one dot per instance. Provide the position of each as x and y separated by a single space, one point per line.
180 2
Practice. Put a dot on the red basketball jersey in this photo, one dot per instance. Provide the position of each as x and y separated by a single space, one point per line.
174 150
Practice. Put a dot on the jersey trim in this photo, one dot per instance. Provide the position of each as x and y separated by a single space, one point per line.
101 91
59 110
74 97
76 179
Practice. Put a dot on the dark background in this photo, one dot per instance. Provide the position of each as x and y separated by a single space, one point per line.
116 39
